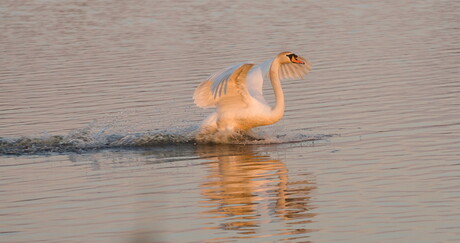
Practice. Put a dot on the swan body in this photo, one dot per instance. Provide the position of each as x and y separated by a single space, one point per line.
236 93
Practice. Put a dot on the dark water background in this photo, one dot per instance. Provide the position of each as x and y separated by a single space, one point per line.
378 119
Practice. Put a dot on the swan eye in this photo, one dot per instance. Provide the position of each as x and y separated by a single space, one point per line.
292 56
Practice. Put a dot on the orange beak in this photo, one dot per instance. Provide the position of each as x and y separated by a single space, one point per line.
295 60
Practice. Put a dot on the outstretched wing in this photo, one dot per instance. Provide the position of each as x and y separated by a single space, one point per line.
287 71
291 71
258 73
228 83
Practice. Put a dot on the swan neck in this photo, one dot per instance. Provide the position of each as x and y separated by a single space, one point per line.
278 110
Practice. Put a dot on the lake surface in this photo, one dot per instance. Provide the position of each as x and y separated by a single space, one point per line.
97 122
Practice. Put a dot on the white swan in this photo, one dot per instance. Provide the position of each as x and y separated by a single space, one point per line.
236 92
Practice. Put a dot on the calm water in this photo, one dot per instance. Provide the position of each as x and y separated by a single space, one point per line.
368 150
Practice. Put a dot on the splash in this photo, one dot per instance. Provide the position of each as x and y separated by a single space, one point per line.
227 137
96 138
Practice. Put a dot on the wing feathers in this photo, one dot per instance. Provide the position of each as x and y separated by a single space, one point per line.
221 85
203 97
287 71
291 71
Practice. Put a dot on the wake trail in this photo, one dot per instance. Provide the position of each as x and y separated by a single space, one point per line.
90 139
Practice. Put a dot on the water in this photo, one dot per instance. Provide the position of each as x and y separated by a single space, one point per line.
97 123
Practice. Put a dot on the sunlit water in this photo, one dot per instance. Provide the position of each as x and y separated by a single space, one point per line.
97 123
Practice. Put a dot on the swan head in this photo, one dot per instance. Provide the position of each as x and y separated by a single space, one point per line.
289 57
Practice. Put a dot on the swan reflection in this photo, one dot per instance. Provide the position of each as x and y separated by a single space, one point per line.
245 189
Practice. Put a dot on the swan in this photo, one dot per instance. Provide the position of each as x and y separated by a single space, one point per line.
236 93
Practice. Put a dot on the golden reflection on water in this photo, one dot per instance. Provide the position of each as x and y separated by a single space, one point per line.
246 189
